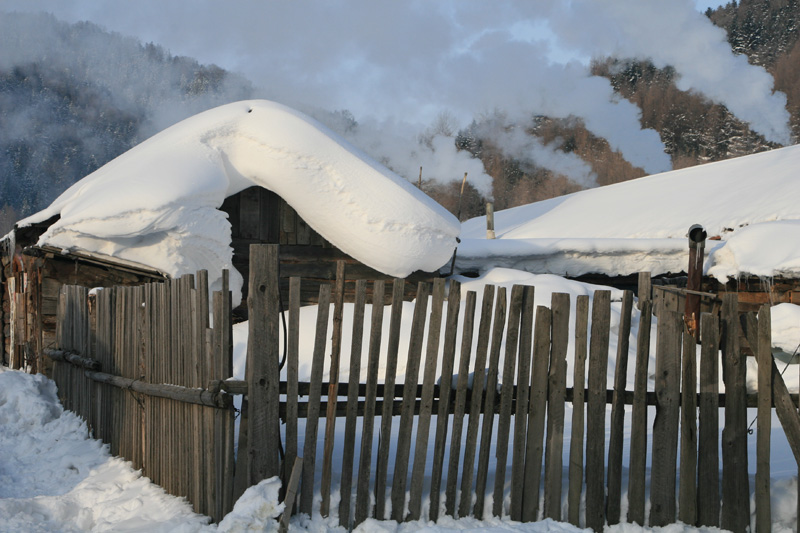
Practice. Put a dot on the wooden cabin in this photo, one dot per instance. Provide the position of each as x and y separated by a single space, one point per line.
31 276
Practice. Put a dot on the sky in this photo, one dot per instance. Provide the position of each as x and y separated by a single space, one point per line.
399 66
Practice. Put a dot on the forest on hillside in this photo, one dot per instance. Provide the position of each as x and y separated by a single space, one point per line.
63 115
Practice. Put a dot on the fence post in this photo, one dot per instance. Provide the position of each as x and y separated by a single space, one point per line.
262 364
764 355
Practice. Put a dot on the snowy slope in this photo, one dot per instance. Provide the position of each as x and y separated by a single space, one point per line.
642 224
157 203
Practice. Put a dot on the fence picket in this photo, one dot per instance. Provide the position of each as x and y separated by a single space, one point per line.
498 326
764 358
687 489
460 405
638 445
557 393
426 402
292 364
445 392
596 411
521 413
708 432
578 410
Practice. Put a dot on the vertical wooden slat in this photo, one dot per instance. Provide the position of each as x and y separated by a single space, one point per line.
385 439
665 425
400 477
488 408
687 488
479 376
426 402
578 410
615 442
263 355
367 428
348 452
708 432
521 412
557 386
330 416
638 446
445 390
735 481
596 411
314 395
506 397
292 364
538 408
461 403
764 357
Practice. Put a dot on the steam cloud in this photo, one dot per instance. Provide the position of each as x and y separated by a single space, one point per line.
395 66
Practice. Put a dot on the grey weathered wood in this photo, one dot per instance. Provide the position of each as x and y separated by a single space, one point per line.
578 410
400 477
291 494
537 399
764 358
263 356
488 408
665 425
330 418
292 364
645 289
478 378
638 445
314 395
735 481
596 411
461 402
426 401
73 358
443 414
348 452
522 400
615 441
687 488
367 428
557 386
385 440
708 431
506 398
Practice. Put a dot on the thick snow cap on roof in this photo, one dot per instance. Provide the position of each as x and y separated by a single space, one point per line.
642 224
157 203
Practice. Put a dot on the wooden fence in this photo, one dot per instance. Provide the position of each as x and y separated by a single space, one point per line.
495 438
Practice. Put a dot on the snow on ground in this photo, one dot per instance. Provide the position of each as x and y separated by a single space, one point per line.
157 204
641 225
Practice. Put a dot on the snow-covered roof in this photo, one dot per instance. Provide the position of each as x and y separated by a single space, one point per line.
750 203
157 204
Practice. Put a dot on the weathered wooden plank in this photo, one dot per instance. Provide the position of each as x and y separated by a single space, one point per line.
426 401
400 478
292 369
330 418
291 494
735 481
491 392
687 488
615 441
367 428
638 445
764 358
479 376
506 397
557 386
348 452
578 410
708 432
460 404
263 356
442 418
385 440
312 424
537 400
596 411
521 413
665 425
644 292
